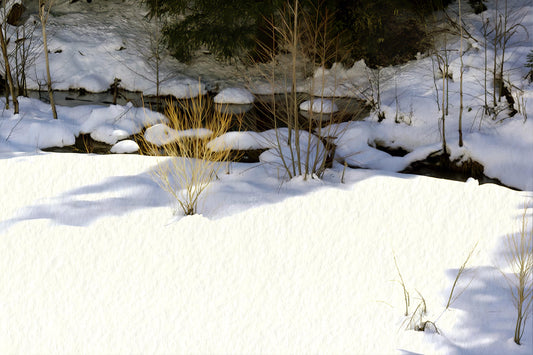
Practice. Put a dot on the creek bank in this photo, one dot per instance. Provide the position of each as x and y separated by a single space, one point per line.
256 117
439 166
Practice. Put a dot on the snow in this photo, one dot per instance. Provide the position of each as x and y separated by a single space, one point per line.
96 256
310 150
96 261
161 134
239 96
125 146
92 44
34 128
241 141
319 105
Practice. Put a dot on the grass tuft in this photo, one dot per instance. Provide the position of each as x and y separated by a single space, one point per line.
192 164
520 259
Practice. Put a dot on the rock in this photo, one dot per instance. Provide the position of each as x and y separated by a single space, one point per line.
14 17
238 96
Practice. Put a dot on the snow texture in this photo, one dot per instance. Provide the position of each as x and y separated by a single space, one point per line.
94 257
161 134
234 96
319 105
125 146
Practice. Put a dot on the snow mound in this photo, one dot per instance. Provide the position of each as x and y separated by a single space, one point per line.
319 105
109 134
114 123
311 150
241 141
30 133
126 146
238 96
161 134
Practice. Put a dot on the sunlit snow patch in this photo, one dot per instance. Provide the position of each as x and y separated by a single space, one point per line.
242 141
310 150
161 134
109 134
238 96
35 132
319 105
114 123
126 146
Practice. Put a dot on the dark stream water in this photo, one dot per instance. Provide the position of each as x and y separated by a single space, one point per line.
256 117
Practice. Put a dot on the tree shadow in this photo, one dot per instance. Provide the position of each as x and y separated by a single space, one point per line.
246 186
114 196
486 313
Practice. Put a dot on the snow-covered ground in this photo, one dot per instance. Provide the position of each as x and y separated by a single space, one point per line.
95 259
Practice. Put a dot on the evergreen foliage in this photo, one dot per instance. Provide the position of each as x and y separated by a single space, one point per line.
382 32
227 28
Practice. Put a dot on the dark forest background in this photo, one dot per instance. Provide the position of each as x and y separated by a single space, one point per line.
382 32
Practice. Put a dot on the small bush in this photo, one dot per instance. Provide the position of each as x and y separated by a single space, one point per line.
192 165
304 126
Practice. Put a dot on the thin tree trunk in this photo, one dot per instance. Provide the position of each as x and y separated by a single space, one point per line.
444 148
485 35
293 88
44 18
504 44
446 66
8 74
519 320
495 44
461 82
48 77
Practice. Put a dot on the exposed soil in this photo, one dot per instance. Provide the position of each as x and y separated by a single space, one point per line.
439 166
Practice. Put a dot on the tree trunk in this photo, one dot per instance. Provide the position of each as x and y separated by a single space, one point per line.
3 44
461 82
43 16
293 88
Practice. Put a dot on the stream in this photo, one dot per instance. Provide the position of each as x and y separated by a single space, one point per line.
256 117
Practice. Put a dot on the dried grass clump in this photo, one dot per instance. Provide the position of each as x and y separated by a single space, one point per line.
192 165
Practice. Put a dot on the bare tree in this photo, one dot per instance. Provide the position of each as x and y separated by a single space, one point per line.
486 33
25 54
461 79
303 28
157 48
443 63
511 23
44 11
3 44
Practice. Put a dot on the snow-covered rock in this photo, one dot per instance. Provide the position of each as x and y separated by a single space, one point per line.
125 146
161 134
238 96
319 105
311 151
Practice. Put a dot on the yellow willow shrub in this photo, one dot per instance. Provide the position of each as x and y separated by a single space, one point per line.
191 165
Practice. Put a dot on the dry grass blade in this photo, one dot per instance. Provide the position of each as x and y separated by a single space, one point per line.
520 259
192 164
405 292
458 276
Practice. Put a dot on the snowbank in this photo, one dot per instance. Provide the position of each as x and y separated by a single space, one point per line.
238 96
98 253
